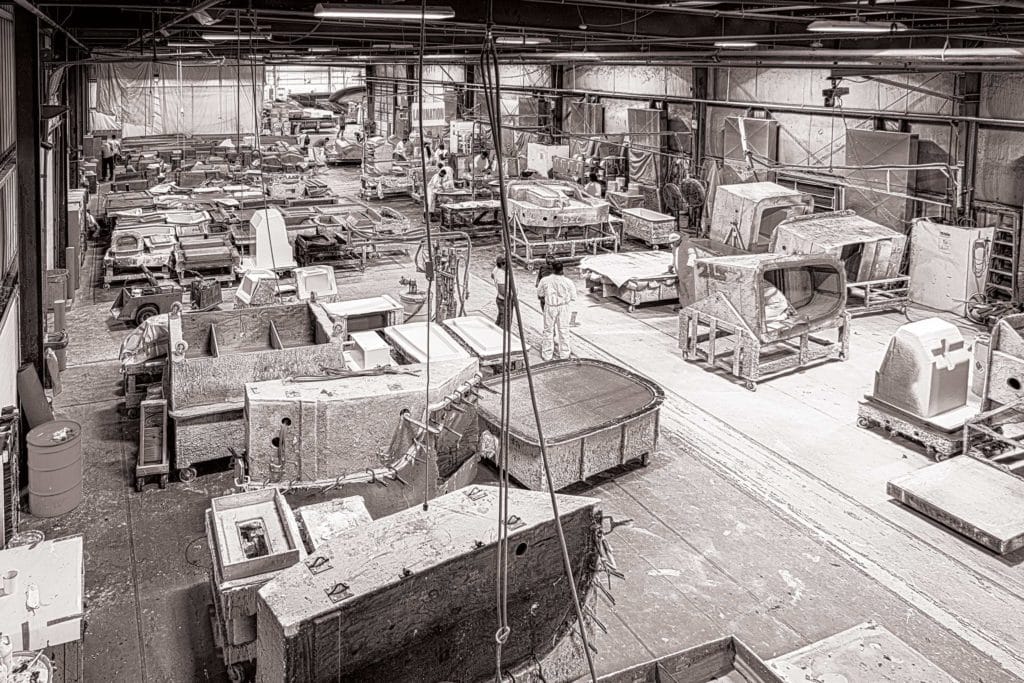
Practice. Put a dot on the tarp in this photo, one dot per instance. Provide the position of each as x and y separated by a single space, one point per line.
644 129
584 120
160 99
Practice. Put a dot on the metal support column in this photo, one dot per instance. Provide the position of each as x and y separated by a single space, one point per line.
31 259
370 111
968 100
558 103
701 93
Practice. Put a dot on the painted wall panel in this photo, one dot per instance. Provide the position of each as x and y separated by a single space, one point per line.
1000 172
1002 95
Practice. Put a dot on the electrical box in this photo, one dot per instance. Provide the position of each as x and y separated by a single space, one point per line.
947 264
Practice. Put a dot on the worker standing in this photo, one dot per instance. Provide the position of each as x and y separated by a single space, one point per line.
482 163
107 153
559 293
593 187
441 181
545 269
498 277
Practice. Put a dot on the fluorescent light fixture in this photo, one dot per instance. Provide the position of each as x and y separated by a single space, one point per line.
195 53
953 54
382 12
186 43
855 26
228 37
521 40
323 48
574 55
448 56
735 44
393 46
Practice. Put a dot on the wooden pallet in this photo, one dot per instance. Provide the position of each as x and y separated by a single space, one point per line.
938 443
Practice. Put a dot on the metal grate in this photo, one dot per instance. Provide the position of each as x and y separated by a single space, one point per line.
828 194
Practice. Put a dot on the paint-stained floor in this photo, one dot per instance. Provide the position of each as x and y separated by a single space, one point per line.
763 515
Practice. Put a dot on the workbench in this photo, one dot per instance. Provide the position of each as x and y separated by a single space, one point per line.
475 217
56 568
635 277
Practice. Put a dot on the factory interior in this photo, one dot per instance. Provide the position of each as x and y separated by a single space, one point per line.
632 341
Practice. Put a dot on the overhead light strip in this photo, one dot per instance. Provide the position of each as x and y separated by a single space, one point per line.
855 26
228 37
382 12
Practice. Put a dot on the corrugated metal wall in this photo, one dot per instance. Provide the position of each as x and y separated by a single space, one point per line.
7 98
9 321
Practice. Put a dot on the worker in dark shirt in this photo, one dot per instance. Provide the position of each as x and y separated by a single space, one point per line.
546 268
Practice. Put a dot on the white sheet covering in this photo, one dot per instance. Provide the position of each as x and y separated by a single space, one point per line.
633 265
158 99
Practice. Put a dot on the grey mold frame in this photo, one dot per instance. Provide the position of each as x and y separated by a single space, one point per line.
214 354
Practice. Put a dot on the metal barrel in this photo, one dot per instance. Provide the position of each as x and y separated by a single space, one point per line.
54 468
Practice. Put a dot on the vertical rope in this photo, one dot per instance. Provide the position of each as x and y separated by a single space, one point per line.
430 250
492 92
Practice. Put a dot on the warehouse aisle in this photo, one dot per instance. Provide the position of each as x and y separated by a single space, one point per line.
741 524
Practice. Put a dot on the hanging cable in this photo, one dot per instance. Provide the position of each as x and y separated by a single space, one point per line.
257 144
492 93
429 269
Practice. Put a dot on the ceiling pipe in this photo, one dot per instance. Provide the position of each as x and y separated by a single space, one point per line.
732 104
201 7
25 4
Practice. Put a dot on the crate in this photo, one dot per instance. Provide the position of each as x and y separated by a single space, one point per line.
650 227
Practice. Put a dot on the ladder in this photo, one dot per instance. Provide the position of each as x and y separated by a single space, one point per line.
1002 281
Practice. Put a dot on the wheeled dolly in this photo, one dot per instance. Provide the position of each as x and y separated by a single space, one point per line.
939 443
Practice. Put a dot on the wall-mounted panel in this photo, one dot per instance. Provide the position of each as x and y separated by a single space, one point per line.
8 217
7 93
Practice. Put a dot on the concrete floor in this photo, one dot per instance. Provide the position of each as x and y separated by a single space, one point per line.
764 515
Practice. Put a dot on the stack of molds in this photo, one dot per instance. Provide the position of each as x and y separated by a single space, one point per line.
351 432
379 602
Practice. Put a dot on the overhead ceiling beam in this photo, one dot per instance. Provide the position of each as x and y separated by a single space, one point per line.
201 7
26 5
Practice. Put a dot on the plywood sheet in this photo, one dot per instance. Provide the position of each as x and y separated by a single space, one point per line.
866 652
970 496
871 195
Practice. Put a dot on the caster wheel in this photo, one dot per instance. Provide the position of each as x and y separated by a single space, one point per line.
139 484
132 413
930 452
186 474
750 386
163 480
842 356
106 285
236 674
939 457
644 459
865 423
632 309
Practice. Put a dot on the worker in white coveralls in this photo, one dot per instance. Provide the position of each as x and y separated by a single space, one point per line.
441 181
559 293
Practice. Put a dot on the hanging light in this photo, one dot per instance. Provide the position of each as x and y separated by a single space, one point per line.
574 55
855 26
228 37
735 44
382 12
521 40
186 43
323 48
